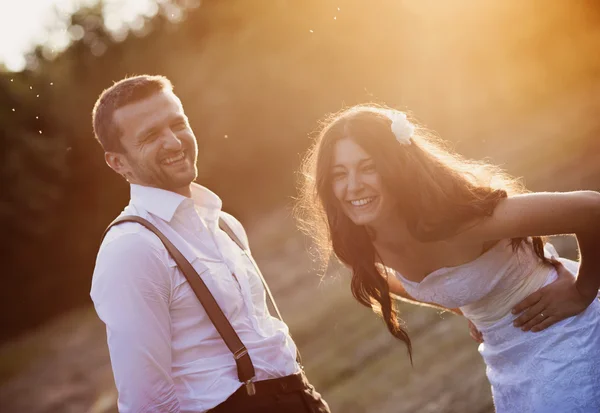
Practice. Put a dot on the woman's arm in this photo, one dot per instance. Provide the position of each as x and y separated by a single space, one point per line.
540 214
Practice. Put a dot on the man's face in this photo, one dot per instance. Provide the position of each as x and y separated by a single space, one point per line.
160 149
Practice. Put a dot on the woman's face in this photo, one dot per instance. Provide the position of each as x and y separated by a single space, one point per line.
357 185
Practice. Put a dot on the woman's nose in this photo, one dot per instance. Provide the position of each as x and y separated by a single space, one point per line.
355 183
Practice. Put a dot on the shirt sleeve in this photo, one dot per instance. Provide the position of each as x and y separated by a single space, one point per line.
131 290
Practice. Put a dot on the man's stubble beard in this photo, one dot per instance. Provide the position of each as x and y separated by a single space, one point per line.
156 176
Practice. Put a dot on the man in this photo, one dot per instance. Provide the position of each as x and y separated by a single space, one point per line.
166 354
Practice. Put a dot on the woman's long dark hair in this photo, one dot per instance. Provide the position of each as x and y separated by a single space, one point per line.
438 194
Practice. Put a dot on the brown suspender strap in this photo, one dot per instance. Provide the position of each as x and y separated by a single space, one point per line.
245 368
227 229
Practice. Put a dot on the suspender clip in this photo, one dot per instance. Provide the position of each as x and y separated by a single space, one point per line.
250 388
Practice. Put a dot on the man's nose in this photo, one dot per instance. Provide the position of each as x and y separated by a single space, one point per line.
171 141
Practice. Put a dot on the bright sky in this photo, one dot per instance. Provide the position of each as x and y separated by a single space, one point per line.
25 23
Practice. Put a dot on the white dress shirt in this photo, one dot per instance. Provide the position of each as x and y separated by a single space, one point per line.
165 352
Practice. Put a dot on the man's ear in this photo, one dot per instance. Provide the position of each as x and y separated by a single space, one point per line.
117 162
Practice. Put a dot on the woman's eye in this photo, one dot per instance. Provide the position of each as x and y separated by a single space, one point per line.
368 168
337 175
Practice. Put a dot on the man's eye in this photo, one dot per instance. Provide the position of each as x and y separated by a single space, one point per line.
150 136
180 126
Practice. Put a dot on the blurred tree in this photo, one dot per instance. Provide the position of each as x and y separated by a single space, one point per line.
33 172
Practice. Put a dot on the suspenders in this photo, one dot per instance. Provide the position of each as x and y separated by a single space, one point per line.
245 368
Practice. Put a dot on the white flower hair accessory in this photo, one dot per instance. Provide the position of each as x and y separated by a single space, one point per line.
402 128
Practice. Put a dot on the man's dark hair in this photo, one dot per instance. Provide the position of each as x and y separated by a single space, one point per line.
122 93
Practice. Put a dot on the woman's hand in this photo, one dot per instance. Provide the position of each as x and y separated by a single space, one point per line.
559 300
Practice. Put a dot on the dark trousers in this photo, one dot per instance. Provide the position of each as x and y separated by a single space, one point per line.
290 394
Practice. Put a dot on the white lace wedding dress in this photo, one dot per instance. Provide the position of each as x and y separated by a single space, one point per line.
553 371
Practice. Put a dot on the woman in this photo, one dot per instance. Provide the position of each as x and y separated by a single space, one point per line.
413 219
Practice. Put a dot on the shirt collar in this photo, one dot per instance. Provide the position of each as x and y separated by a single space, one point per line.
206 202
164 204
